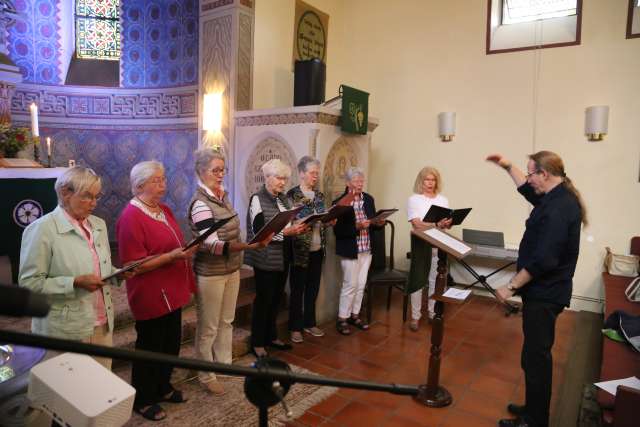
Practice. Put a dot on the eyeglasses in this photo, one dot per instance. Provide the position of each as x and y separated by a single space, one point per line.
218 171
530 174
87 197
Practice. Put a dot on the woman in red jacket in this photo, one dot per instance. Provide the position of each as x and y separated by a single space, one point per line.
161 287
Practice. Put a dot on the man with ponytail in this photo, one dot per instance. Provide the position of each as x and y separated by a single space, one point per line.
546 263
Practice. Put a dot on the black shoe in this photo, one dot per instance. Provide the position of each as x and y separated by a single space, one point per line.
259 355
280 345
513 422
517 410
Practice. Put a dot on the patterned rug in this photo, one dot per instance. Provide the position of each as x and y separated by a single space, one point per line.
232 408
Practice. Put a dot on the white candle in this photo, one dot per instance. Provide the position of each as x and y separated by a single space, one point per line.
48 146
34 120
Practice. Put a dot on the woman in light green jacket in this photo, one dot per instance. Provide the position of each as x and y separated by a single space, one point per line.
64 255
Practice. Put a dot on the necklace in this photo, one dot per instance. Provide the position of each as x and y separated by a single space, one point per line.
147 204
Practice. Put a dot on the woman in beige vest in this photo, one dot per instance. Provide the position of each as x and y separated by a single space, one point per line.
217 263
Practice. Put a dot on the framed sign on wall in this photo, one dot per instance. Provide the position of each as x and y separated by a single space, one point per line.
309 33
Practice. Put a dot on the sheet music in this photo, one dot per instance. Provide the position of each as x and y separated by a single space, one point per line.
612 386
447 240
455 293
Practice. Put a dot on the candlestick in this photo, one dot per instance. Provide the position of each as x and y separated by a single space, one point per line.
35 131
36 149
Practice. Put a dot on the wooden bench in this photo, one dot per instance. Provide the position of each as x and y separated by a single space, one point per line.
619 360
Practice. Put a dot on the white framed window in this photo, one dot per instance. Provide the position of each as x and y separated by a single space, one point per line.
633 19
517 11
514 25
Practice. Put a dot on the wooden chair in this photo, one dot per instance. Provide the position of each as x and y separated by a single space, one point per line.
382 271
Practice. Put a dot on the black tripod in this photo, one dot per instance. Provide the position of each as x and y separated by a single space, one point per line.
509 308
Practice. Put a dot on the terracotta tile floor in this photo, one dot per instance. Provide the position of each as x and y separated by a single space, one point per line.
480 367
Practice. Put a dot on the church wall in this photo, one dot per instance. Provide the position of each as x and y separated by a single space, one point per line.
112 153
111 129
420 58
34 41
159 42
273 40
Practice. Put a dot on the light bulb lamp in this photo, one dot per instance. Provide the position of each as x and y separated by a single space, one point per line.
596 123
212 119
446 126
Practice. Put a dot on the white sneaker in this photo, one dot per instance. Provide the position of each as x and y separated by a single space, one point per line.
296 337
315 331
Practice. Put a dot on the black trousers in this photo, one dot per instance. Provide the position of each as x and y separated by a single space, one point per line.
305 284
162 335
269 293
538 326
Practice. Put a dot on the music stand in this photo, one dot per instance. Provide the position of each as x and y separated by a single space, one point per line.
509 308
432 393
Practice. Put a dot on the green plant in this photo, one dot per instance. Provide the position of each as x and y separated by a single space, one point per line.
13 140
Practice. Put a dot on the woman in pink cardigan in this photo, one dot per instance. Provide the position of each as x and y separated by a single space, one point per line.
161 287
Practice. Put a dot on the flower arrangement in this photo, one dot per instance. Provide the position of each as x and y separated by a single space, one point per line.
13 140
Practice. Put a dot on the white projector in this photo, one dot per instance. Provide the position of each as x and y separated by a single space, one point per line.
78 391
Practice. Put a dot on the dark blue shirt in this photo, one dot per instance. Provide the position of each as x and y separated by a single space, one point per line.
550 245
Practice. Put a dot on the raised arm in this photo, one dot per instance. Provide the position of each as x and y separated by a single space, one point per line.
514 172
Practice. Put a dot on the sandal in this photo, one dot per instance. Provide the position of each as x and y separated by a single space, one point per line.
358 323
175 396
343 327
153 412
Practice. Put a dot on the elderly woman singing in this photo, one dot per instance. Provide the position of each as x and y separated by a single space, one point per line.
217 264
353 245
308 253
64 254
162 286
270 264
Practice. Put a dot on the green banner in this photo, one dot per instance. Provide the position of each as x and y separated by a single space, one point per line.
355 110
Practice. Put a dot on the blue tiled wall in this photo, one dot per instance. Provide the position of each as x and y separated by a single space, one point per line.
112 154
34 42
159 42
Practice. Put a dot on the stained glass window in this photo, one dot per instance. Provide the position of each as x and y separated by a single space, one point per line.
98 29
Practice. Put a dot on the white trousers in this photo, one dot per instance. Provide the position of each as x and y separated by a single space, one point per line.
216 306
416 297
354 279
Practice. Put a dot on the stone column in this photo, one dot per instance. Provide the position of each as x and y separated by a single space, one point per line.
9 73
226 65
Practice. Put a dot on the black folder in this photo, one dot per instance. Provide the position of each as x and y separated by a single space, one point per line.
276 224
334 212
201 238
383 214
196 241
129 267
437 213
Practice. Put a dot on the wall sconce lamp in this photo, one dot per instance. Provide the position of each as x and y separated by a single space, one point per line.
446 126
212 112
596 122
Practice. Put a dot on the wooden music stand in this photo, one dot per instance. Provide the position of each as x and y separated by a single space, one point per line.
432 393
